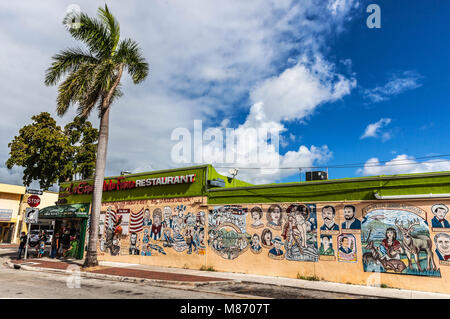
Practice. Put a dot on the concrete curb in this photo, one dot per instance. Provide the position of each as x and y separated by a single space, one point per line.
154 282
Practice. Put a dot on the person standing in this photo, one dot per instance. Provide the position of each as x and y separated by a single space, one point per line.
55 245
23 243
65 241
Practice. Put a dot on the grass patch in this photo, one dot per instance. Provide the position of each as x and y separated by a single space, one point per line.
384 286
204 268
310 278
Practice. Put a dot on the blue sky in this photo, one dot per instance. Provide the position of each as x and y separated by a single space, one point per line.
339 91
411 38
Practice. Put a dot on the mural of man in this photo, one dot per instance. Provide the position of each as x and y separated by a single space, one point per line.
157 224
351 222
439 221
328 215
345 245
276 251
442 242
255 245
134 250
168 221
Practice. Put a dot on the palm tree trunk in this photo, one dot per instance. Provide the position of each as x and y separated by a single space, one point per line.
99 176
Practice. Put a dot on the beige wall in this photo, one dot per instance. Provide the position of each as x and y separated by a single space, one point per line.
330 270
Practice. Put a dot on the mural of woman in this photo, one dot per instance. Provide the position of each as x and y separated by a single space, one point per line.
266 238
274 217
255 246
256 213
390 247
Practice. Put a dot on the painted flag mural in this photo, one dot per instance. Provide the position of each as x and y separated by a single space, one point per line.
136 221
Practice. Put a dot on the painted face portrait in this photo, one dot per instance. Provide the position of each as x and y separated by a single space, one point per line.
349 212
266 237
328 214
345 242
442 242
325 242
274 215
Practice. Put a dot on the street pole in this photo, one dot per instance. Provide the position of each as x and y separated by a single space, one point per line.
28 241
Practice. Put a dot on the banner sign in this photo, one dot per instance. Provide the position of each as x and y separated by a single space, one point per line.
6 214
65 211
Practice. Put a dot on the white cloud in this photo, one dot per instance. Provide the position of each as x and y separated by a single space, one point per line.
398 83
205 57
296 92
403 164
373 130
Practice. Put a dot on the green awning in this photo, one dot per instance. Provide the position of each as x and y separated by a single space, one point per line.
65 211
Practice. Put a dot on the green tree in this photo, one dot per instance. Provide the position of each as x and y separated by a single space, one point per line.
51 155
83 137
93 81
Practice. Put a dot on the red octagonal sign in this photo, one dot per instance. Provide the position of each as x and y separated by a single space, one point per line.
34 201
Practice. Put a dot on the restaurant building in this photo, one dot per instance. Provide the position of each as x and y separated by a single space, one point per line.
380 230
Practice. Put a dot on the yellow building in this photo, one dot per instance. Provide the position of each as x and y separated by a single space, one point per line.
13 203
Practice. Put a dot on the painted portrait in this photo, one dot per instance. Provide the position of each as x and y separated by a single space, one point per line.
276 252
274 217
439 220
350 220
255 244
442 243
266 238
346 248
328 217
326 245
256 214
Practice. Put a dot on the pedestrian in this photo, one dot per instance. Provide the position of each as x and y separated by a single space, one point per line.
23 243
55 245
65 241
41 246
39 237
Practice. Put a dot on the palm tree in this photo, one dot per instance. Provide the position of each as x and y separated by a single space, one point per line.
93 81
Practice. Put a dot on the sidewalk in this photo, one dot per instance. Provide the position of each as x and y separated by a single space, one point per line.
165 276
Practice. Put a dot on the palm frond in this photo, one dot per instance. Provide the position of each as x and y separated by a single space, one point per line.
93 32
74 87
67 61
112 25
130 55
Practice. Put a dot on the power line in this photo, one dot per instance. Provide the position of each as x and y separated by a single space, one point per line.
354 165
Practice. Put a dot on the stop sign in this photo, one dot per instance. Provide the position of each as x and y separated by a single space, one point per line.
33 200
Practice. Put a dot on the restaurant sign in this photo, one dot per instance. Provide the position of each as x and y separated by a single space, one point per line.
119 183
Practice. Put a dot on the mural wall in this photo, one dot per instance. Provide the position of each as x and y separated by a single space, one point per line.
152 228
340 240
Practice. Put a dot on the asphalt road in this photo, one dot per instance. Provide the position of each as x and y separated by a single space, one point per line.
17 283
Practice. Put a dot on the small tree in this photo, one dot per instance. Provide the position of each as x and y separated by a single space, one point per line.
49 154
